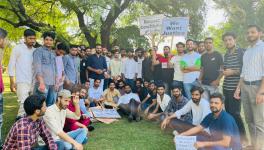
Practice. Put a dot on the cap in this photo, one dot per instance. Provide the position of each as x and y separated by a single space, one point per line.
64 93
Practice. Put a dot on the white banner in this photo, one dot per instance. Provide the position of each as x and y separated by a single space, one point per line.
175 26
185 142
150 24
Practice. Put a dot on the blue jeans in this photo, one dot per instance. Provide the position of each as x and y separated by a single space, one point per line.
79 135
49 93
1 115
60 146
188 87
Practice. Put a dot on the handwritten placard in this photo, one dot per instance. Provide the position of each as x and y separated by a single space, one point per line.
150 24
185 142
177 26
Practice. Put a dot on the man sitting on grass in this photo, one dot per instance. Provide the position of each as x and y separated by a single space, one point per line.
224 133
55 120
128 104
199 108
160 103
111 96
96 93
25 132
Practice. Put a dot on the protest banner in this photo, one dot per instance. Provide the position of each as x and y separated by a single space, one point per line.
185 142
176 26
150 24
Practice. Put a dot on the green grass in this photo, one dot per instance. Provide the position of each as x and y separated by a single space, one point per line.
120 135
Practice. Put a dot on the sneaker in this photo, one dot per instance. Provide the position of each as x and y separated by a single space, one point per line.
90 128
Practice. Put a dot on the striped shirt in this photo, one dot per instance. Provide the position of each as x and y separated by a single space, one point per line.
232 61
253 60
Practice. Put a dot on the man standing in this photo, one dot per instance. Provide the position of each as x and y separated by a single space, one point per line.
3 35
252 86
25 132
201 48
20 68
211 69
190 66
233 62
115 67
224 133
44 68
97 66
70 68
175 63
130 70
139 60
147 68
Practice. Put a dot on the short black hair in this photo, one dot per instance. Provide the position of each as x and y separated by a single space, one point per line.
130 50
255 26
98 44
50 34
167 47
127 85
189 40
97 79
180 43
209 38
140 80
3 33
73 46
232 34
33 103
160 85
197 88
111 82
176 87
218 95
29 32
63 46
139 49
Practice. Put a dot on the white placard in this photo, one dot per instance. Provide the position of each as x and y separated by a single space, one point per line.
150 24
175 26
185 142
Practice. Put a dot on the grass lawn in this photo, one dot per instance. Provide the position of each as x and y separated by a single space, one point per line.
120 135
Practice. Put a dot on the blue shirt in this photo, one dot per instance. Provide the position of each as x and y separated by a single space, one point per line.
223 125
96 63
44 64
70 68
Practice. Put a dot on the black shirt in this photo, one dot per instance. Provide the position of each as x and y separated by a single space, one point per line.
211 64
147 72
97 63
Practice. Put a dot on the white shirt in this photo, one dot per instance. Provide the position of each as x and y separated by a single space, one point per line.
253 62
139 67
199 112
125 99
107 59
130 68
163 102
55 119
178 74
95 93
20 64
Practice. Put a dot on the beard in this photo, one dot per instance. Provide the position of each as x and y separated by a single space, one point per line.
127 92
215 110
196 101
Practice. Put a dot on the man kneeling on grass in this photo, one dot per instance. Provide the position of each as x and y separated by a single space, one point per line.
128 104
25 132
223 129
55 120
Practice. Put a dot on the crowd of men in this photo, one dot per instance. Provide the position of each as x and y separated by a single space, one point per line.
56 85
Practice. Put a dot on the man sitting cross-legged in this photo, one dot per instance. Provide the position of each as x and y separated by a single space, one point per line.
128 104
199 108
55 119
160 103
224 134
25 132
111 96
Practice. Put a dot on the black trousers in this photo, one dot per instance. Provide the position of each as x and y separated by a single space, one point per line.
130 108
233 107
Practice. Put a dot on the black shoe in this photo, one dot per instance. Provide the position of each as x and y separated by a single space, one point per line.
138 118
130 118
90 128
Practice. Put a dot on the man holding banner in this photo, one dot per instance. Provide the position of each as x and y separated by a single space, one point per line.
224 134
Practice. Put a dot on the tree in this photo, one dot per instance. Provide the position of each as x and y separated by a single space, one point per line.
242 13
